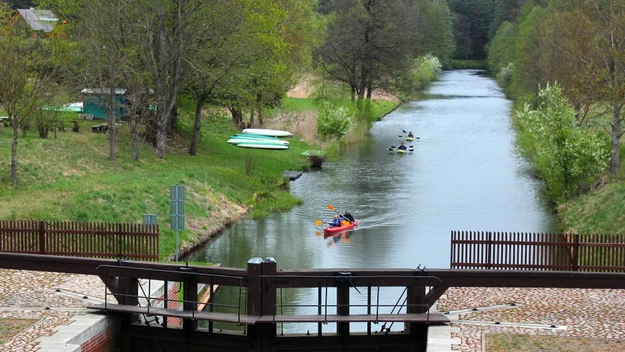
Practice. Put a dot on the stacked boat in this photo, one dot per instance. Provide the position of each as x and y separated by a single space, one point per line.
260 139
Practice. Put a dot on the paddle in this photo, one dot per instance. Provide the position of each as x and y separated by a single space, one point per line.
341 215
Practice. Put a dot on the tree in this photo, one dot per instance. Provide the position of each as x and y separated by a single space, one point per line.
26 79
504 11
471 26
435 29
566 156
367 42
164 32
104 57
501 51
529 72
216 56
605 66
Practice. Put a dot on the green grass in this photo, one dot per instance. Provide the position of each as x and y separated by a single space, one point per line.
69 178
601 211
540 343
299 104
11 327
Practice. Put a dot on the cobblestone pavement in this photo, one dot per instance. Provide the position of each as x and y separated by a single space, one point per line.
33 295
573 312
560 312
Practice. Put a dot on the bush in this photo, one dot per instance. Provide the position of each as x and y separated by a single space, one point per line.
333 121
564 155
504 77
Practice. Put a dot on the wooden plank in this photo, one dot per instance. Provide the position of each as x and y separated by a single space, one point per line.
211 316
433 318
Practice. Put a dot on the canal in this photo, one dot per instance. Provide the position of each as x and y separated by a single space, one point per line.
464 174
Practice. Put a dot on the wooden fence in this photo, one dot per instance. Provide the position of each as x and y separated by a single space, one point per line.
80 239
537 251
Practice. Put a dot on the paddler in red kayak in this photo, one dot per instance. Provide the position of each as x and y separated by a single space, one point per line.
336 221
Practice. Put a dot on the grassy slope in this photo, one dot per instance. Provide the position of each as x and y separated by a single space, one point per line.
71 178
600 210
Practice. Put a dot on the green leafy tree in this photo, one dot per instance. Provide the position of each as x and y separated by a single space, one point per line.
471 27
26 79
501 50
529 72
566 156
435 29
367 42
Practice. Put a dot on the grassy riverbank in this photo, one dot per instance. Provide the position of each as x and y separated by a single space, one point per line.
71 178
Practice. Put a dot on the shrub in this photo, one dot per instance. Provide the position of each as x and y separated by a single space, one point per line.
333 121
564 155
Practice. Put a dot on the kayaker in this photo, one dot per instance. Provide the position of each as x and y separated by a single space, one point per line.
336 221
402 146
410 135
348 217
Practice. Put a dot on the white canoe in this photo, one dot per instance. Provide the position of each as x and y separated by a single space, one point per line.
266 132
262 146
253 140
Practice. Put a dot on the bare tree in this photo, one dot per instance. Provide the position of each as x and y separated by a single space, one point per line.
106 54
164 31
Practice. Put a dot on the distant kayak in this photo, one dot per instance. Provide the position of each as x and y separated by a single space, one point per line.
267 132
410 139
336 229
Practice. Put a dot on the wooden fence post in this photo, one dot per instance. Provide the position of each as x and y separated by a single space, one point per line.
576 253
42 237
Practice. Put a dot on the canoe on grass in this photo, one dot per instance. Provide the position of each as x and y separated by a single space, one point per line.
267 132
262 145
255 136
335 229
256 140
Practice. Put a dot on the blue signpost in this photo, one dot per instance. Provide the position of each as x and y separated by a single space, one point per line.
176 210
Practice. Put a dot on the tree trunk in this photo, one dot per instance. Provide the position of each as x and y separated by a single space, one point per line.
260 115
252 111
172 127
161 136
616 133
237 116
150 130
14 150
110 121
197 125
134 138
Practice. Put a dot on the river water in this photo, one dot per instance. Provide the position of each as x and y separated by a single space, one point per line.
462 175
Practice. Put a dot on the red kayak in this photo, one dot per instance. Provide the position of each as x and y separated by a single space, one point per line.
335 229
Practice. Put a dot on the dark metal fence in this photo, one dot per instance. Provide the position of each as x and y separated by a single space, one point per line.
80 239
537 251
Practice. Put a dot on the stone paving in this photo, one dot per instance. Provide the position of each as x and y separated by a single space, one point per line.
33 295
52 299
560 312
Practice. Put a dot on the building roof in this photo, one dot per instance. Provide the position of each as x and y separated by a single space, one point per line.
39 20
118 91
